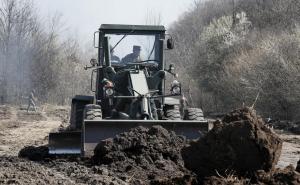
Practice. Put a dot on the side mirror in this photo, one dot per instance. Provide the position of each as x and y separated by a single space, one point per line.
96 39
170 43
93 62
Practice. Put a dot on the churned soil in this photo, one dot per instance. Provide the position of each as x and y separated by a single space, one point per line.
14 170
240 142
285 176
145 156
148 155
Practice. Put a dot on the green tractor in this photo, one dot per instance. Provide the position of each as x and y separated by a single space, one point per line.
130 90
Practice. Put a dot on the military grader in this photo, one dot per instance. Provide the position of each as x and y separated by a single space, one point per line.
127 95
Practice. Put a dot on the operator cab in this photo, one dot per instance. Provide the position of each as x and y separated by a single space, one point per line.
128 50
119 42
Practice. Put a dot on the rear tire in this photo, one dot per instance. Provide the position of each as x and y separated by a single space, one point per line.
194 114
92 112
173 113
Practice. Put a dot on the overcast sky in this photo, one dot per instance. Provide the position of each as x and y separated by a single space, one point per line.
83 17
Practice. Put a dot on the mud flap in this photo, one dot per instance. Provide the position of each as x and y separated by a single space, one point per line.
95 131
66 142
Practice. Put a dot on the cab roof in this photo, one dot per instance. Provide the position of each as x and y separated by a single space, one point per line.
117 28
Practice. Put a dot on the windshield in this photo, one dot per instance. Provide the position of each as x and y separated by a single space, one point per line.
126 49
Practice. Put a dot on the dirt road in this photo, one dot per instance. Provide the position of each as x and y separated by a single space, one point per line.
19 128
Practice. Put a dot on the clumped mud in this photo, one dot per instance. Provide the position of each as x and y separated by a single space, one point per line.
240 142
145 156
278 176
35 153
239 150
14 170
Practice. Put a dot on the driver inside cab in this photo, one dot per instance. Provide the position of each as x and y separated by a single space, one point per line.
134 56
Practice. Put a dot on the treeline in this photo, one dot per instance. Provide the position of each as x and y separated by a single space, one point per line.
241 52
34 56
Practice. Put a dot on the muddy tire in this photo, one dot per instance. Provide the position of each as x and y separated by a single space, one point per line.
92 112
193 114
76 118
173 113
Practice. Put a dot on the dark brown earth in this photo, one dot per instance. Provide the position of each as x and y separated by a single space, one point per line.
14 170
146 156
141 156
278 176
287 175
240 142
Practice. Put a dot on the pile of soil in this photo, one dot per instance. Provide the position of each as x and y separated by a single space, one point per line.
240 143
145 156
35 153
239 150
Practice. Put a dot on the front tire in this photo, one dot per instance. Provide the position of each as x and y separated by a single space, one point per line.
92 112
173 113
194 114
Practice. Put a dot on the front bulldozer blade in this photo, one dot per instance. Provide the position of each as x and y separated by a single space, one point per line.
65 142
95 131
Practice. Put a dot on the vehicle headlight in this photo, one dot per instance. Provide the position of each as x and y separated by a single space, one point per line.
175 88
109 92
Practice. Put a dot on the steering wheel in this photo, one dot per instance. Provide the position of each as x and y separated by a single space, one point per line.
131 66
145 63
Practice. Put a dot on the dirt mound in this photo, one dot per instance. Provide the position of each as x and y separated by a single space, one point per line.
34 153
5 113
240 143
30 116
145 156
